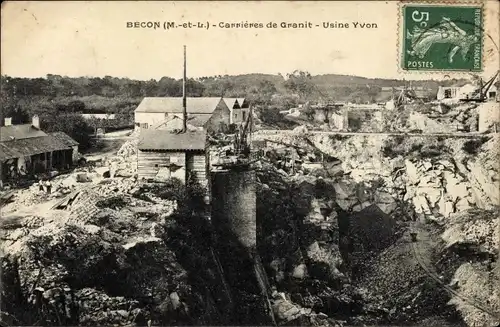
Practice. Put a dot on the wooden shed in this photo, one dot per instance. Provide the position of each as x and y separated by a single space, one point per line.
164 154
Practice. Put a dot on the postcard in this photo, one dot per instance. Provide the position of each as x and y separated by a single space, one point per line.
250 163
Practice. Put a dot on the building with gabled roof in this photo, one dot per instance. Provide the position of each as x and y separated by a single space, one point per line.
213 110
234 108
244 108
27 150
243 103
164 154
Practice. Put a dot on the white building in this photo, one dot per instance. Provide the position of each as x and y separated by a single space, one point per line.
211 113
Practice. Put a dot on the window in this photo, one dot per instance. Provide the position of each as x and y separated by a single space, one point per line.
492 94
447 93
144 125
244 115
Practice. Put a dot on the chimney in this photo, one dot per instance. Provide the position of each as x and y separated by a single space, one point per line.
35 122
184 104
8 121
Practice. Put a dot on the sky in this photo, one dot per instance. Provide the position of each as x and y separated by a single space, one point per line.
85 38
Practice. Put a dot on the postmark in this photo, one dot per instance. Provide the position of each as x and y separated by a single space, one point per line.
442 37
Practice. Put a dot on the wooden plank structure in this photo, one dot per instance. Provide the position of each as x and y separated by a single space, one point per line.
164 154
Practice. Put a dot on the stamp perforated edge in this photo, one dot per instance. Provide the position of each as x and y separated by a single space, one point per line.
400 36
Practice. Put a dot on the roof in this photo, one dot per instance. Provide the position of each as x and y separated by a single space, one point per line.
18 132
241 101
64 138
194 120
30 146
198 120
168 122
174 105
158 140
232 103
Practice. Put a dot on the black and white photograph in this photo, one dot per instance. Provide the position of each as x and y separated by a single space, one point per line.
250 163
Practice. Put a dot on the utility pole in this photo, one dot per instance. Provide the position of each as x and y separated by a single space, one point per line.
184 104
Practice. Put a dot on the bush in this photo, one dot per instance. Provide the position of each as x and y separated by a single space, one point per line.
173 189
473 146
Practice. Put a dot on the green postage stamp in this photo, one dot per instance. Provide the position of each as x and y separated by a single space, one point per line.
442 37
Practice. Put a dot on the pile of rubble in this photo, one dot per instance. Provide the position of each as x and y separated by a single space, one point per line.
287 312
99 257
128 149
444 118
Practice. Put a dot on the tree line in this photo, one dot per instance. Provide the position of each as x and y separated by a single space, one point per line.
68 97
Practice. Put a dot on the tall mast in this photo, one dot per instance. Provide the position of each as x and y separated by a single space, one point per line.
184 104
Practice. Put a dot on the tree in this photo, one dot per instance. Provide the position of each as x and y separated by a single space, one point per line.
267 88
149 88
301 83
76 106
72 124
168 86
194 88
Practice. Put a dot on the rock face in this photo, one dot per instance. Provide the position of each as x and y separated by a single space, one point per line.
422 122
447 183
488 116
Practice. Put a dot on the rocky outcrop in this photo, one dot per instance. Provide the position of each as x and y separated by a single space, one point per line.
418 121
446 182
474 282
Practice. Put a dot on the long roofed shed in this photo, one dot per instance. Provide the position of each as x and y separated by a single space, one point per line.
30 146
64 138
17 132
165 140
